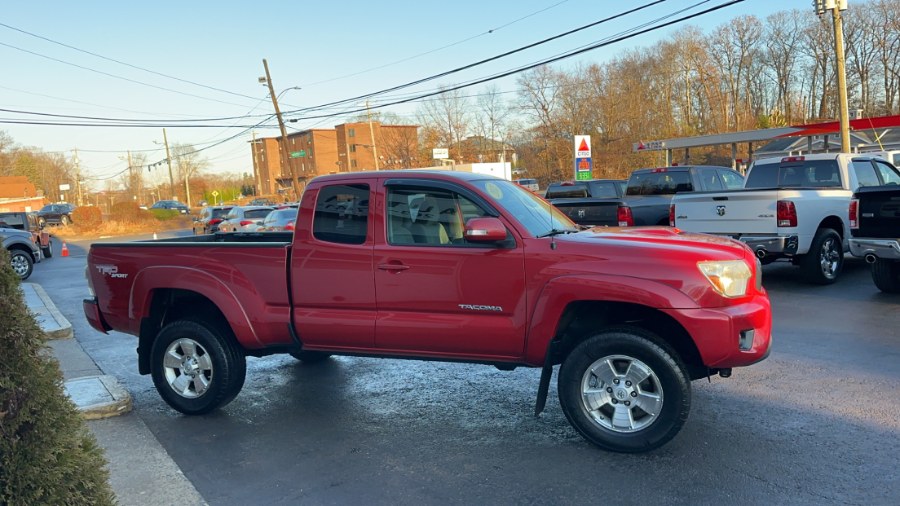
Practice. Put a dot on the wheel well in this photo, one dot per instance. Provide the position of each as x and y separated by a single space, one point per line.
584 319
834 223
23 249
168 305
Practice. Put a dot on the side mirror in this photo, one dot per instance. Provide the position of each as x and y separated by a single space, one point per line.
485 230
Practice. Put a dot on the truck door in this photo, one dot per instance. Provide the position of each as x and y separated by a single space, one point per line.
437 293
332 284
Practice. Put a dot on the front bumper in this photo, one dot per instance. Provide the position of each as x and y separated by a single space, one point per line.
718 332
888 249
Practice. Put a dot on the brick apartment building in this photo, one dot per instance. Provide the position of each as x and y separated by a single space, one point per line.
349 147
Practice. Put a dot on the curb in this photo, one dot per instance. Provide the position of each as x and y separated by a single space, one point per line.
98 397
65 328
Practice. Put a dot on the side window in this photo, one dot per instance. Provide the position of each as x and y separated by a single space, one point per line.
888 174
733 180
342 214
427 216
709 178
865 173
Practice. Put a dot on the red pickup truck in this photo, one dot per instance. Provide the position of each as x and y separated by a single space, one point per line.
445 266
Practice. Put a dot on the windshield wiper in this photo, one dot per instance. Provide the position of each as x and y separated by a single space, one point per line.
557 231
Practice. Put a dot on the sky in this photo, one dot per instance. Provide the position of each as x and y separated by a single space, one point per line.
195 66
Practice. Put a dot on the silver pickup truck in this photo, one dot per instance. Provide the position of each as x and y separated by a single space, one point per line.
793 208
23 251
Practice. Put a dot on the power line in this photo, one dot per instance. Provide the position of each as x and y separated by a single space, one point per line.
463 41
118 77
546 61
480 62
130 120
123 63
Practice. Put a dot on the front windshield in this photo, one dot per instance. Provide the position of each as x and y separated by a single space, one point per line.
533 212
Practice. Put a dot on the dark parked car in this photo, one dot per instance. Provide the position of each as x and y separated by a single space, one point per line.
280 220
209 219
244 218
23 251
57 214
29 222
171 204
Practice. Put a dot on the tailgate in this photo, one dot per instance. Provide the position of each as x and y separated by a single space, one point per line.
727 213
879 212
589 212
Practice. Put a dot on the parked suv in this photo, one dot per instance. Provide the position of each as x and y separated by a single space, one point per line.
209 219
29 222
23 252
57 214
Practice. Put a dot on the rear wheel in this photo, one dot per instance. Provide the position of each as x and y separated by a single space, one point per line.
48 250
197 366
64 220
823 263
886 275
623 391
21 263
310 357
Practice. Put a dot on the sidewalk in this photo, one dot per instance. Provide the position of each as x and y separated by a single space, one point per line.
141 471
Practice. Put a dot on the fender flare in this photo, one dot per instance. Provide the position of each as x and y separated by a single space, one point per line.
197 281
558 293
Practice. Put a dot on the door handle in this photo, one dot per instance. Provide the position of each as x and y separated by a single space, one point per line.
393 267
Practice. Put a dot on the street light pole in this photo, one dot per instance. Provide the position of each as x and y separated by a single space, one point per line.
285 156
169 163
372 135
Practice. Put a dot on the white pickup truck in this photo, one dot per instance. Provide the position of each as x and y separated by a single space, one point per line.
794 208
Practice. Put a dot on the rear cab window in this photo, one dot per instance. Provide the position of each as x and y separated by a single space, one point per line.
795 172
342 214
661 181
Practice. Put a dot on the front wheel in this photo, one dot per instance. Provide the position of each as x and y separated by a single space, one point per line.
47 250
623 391
21 263
825 259
886 275
64 220
197 366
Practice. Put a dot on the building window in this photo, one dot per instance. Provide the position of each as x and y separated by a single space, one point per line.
353 148
351 132
353 164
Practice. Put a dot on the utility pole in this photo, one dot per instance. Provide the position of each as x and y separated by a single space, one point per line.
169 163
836 6
285 156
372 135
256 169
75 162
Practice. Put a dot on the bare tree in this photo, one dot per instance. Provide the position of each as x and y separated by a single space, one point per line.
448 116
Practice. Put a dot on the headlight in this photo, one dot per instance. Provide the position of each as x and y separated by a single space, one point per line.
728 277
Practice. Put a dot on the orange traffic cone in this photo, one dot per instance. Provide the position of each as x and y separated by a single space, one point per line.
65 250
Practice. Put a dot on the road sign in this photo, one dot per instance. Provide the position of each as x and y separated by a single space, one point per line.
298 154
584 169
584 166
214 193
440 153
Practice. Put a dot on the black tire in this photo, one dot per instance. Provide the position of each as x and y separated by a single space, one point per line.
22 263
626 353
886 275
64 220
48 251
216 379
823 263
310 357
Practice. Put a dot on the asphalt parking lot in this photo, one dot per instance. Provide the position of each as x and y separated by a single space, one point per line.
815 423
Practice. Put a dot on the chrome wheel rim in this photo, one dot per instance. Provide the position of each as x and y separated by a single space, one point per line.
829 258
621 394
188 368
19 265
